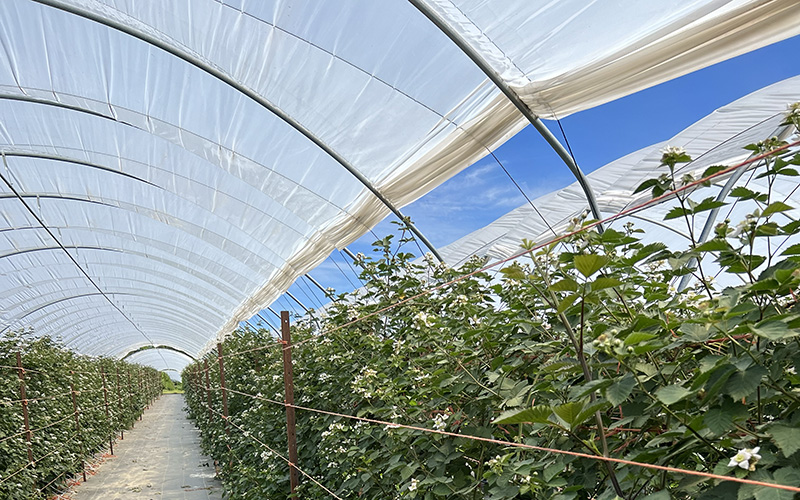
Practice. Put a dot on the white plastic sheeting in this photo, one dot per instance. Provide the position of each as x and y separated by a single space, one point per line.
717 139
189 154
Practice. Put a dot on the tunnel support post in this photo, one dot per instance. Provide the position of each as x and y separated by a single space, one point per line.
288 383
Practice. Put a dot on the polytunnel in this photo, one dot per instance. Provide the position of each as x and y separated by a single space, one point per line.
170 168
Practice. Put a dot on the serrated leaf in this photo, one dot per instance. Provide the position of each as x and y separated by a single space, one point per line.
514 272
773 330
568 413
565 285
565 303
707 204
715 245
718 421
535 415
787 438
637 337
619 391
675 213
792 250
775 208
744 193
646 184
743 383
588 264
672 394
658 495
603 282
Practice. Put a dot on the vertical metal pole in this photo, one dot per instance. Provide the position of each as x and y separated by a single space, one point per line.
119 405
208 390
77 423
222 385
288 384
108 415
24 398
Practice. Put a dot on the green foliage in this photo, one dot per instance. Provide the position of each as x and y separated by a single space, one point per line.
57 448
584 346
169 386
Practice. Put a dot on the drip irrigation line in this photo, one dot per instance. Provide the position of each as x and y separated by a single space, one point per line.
70 256
624 213
248 435
391 425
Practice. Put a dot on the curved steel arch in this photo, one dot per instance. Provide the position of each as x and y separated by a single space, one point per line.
512 96
239 87
76 247
155 303
191 298
65 159
79 109
195 307
97 202
161 346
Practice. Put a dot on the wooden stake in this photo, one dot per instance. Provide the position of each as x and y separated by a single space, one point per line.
78 424
288 383
222 386
24 398
108 415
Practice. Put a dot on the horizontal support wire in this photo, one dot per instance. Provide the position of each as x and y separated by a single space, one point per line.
392 425
33 463
247 434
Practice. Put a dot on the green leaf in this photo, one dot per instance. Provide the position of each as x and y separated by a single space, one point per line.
743 383
675 213
568 413
774 208
566 302
588 264
535 415
745 194
672 394
514 272
620 390
792 250
565 285
718 421
773 330
646 184
707 204
637 337
715 245
658 495
787 438
603 282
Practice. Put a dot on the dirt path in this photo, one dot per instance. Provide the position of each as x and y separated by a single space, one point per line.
159 459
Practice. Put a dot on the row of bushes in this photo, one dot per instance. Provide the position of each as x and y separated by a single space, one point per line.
585 346
58 449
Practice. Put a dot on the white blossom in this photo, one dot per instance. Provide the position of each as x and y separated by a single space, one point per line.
412 486
440 421
746 458
673 151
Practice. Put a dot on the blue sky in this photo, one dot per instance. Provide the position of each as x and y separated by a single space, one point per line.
482 193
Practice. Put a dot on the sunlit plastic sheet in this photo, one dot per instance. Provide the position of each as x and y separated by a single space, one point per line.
717 139
139 132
